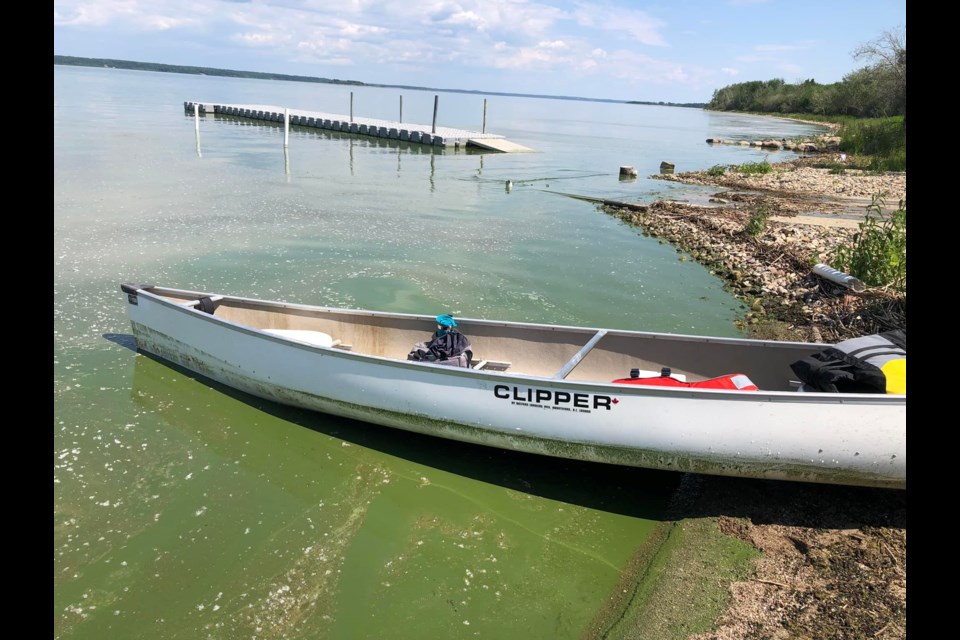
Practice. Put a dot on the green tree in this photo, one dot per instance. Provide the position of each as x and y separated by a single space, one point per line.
878 90
887 56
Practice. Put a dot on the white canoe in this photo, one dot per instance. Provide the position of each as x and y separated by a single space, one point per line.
537 388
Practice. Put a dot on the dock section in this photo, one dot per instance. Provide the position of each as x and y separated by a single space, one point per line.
405 131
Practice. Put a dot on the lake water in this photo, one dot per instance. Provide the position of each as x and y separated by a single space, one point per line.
184 510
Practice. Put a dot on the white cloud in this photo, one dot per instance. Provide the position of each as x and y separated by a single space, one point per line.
89 13
528 58
635 24
132 14
258 39
467 18
361 30
510 20
165 23
581 60
730 71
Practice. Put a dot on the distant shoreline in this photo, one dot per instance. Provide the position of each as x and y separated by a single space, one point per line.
110 63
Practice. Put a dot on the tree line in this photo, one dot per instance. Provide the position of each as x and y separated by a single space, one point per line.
206 71
878 90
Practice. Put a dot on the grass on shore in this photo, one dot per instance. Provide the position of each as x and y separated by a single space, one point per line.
881 142
755 168
877 253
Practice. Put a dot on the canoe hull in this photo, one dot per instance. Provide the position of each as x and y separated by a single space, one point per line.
851 440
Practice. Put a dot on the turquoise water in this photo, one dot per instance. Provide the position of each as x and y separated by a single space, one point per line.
184 510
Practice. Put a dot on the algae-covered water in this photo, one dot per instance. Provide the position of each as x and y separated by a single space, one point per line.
185 510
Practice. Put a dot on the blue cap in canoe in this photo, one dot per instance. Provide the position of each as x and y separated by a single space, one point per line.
446 321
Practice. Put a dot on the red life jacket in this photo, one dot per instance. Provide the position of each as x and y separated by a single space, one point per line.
732 381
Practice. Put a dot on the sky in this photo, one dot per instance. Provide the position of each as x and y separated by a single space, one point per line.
676 51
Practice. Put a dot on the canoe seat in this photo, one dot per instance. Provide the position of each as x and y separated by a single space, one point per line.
491 365
314 338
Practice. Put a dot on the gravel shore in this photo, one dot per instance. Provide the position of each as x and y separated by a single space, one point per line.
807 182
810 212
832 559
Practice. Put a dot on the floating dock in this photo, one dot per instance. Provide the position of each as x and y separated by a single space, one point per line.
405 131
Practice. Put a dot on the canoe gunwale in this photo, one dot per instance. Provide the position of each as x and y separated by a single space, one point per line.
157 294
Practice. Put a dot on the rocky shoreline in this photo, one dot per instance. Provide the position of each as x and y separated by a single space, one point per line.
833 559
810 211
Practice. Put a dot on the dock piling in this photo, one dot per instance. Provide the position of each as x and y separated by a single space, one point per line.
436 98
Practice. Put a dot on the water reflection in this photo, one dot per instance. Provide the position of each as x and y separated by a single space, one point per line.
365 140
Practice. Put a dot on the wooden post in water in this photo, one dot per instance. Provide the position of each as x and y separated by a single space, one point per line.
286 127
484 130
401 108
351 106
196 126
435 99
